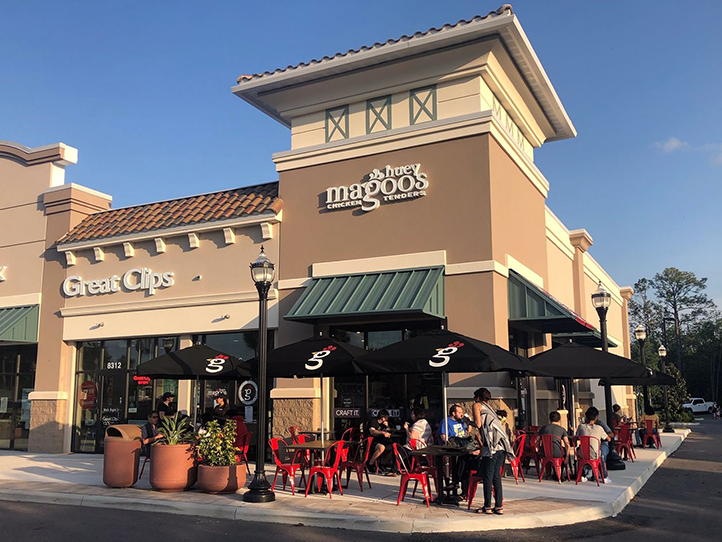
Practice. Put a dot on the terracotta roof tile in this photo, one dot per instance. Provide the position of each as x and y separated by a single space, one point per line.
224 205
506 8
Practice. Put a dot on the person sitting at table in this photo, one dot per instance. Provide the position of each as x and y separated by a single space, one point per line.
149 432
561 446
458 428
378 428
619 417
420 430
650 415
593 428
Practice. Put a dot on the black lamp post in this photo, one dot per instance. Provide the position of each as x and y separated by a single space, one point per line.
663 366
601 299
262 272
641 335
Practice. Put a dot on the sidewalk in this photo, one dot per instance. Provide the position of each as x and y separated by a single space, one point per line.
76 480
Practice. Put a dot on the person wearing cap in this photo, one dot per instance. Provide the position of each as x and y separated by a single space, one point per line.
165 405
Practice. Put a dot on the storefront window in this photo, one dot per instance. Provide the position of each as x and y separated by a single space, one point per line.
17 380
109 392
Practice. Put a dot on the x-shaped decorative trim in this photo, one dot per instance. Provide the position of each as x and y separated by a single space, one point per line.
334 118
421 102
380 109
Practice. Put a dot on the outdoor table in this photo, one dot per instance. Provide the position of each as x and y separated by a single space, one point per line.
440 452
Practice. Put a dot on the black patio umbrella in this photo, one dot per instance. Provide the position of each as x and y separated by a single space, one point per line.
195 362
314 357
573 360
443 351
655 378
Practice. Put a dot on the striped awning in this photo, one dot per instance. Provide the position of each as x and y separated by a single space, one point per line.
412 294
19 324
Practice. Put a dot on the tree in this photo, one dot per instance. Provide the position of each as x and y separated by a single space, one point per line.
643 310
681 293
677 396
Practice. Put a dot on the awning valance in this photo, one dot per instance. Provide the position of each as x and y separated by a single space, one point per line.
535 308
587 338
19 324
414 294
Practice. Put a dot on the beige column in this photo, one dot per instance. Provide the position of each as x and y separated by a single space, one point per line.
52 400
185 387
581 241
626 292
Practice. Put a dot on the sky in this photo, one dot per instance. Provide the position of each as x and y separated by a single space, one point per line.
142 90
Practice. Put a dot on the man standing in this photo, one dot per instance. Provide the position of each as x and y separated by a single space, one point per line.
165 405
592 428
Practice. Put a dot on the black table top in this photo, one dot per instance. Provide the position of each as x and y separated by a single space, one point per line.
439 450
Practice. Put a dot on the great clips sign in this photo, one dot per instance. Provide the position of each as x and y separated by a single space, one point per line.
380 186
133 279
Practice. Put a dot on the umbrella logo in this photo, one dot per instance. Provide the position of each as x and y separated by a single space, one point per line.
444 354
315 362
215 365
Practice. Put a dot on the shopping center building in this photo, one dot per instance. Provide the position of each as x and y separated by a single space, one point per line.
408 200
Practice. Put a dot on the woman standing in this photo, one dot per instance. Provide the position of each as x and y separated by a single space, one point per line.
495 449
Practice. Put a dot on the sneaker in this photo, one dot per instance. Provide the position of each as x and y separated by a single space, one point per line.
607 480
584 479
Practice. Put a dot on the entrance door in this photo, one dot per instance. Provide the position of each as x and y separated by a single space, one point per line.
17 380
113 409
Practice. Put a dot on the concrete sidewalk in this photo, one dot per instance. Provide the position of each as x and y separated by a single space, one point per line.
77 480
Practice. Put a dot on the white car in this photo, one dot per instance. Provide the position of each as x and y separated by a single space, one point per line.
698 405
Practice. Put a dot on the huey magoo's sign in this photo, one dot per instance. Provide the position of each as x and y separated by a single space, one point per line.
383 185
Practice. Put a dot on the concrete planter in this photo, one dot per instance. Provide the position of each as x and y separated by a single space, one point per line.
173 468
228 479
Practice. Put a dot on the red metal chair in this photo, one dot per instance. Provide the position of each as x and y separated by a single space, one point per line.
410 474
530 451
328 471
294 431
360 465
474 480
651 435
623 443
515 464
584 457
429 469
347 436
287 470
548 459
243 442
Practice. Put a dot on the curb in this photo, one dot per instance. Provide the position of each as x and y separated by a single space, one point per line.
264 513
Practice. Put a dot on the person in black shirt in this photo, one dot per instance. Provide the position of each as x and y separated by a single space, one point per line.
219 411
378 428
165 406
561 445
149 432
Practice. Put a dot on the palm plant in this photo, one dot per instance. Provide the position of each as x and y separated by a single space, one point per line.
176 430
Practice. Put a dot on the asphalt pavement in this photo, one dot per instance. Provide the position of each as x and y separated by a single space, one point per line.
681 501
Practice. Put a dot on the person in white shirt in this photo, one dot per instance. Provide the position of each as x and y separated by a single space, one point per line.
420 430
594 429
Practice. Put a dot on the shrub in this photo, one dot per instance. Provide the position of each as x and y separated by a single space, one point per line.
216 446
176 430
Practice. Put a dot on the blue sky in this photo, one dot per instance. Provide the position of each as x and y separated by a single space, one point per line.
142 89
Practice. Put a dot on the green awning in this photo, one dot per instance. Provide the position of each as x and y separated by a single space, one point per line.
535 308
413 294
19 324
587 338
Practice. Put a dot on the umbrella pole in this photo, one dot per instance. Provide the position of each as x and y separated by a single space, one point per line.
195 404
322 440
445 383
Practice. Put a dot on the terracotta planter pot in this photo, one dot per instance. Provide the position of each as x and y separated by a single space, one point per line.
221 479
173 468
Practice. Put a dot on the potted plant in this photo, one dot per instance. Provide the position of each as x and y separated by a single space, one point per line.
173 465
219 471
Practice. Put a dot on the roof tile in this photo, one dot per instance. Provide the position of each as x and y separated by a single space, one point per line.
224 205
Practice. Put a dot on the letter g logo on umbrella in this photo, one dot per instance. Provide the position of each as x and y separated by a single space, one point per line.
316 359
215 365
444 354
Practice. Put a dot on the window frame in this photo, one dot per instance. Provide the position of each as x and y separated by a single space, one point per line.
413 98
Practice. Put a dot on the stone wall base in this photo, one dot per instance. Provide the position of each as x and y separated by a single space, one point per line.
47 430
303 413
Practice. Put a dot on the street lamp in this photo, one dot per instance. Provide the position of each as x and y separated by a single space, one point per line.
640 333
663 366
601 299
262 272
